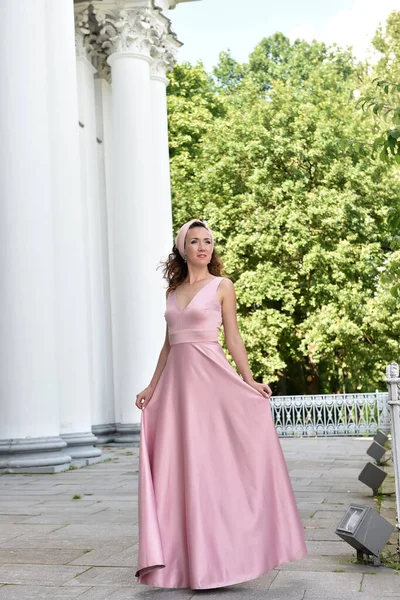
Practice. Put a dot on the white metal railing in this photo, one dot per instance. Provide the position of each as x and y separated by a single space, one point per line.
330 414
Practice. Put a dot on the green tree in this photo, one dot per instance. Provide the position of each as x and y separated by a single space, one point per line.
301 226
193 107
381 89
387 42
229 73
383 99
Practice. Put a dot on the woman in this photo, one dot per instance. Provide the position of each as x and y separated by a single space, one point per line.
216 506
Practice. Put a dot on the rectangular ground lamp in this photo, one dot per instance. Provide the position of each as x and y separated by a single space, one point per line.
372 476
364 529
380 437
376 451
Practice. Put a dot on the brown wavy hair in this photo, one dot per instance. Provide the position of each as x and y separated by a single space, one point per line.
175 269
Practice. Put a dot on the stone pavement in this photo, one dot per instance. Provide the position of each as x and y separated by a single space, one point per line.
56 547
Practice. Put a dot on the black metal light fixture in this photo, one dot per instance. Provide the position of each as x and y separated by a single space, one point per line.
364 529
376 451
381 437
372 476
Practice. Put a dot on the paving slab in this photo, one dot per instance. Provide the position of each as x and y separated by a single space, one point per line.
39 574
7 538
343 596
77 541
98 576
103 593
335 507
98 529
323 534
318 582
149 594
326 564
386 583
110 555
311 487
310 473
70 516
328 548
32 592
251 594
13 507
40 556
331 515
305 497
45 490
14 529
13 518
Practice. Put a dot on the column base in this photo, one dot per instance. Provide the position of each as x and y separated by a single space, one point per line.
34 455
127 434
80 447
104 433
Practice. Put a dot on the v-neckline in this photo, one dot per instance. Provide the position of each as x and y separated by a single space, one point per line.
196 294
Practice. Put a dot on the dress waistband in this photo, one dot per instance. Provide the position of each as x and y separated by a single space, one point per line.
192 335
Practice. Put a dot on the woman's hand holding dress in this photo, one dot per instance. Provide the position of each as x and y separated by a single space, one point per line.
143 398
263 388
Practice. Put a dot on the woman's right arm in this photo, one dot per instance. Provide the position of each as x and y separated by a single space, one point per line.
147 393
162 359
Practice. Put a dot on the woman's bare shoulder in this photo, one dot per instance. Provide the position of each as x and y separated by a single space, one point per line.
226 283
225 289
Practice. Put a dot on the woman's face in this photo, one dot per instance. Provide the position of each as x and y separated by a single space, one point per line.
198 246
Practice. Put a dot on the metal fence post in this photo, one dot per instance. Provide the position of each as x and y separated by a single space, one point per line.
393 383
383 410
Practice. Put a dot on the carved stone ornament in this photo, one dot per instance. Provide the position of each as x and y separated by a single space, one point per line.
88 41
142 30
392 371
164 57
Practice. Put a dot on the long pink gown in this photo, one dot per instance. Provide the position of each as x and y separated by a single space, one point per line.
216 506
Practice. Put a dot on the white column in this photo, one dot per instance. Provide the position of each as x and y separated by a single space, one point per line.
160 158
103 417
72 290
136 340
29 421
138 299
94 206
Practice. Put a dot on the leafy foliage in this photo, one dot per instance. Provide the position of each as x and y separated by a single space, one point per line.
300 225
389 141
385 105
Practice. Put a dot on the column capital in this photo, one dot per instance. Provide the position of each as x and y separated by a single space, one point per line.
108 28
164 56
88 41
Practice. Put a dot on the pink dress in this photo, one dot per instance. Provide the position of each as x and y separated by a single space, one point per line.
216 506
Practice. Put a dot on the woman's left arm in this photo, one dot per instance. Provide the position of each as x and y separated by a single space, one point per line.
233 339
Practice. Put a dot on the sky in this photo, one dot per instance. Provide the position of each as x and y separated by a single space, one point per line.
207 27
